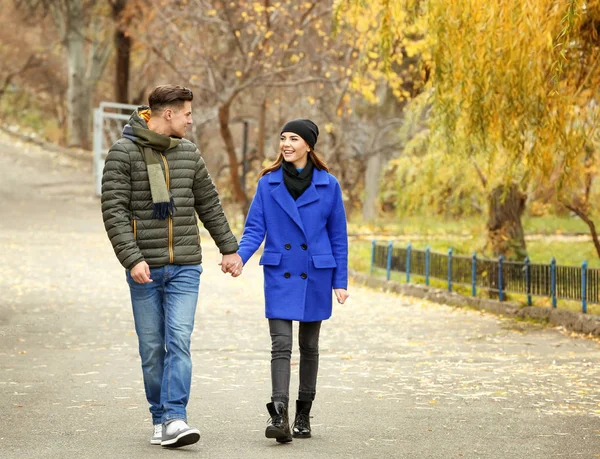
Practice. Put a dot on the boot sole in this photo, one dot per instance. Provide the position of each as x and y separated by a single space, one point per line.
277 434
297 435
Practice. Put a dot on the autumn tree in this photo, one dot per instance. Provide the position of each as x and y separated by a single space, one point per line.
225 50
513 91
388 39
121 16
32 84
10 75
83 27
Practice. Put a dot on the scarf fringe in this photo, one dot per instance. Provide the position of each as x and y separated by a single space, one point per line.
162 210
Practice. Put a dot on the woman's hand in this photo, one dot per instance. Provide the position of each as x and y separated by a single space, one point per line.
232 264
341 294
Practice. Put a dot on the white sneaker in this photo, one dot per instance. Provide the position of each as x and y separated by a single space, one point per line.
157 435
177 433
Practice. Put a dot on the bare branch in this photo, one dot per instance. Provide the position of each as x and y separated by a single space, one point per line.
588 221
304 81
482 176
233 29
31 63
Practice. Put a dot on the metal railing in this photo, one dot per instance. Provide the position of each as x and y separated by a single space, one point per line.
109 119
498 276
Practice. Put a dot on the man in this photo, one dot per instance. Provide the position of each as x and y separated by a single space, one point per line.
154 183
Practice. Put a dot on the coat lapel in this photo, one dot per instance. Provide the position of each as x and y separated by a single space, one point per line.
320 177
309 195
282 197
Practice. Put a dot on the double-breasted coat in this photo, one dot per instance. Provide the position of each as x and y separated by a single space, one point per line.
306 246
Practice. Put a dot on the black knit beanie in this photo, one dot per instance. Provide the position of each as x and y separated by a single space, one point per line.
306 129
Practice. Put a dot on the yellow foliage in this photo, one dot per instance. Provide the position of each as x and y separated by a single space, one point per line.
508 81
383 32
514 82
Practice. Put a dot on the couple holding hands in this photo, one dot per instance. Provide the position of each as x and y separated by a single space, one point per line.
155 185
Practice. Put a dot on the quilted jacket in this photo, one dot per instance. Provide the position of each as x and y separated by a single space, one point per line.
127 206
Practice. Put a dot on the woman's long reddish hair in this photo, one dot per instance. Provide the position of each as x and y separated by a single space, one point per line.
318 162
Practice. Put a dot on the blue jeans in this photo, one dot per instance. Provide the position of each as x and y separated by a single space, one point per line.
163 312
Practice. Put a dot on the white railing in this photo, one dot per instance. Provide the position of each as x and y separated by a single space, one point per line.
109 119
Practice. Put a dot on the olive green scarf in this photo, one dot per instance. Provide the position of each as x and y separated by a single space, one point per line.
153 145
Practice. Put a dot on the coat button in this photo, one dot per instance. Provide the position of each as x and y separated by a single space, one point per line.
303 276
288 246
304 246
287 275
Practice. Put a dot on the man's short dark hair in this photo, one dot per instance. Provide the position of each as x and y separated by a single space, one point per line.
169 95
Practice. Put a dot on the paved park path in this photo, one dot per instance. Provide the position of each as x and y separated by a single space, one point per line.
399 378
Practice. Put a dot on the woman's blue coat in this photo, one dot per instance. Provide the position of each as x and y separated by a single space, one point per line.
306 247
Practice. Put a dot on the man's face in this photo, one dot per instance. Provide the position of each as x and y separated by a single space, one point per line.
179 118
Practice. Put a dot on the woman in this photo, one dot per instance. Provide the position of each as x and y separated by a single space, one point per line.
298 207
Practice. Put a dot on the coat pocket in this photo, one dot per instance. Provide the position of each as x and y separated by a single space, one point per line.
324 261
270 259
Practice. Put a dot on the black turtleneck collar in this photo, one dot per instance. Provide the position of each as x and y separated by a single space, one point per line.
297 182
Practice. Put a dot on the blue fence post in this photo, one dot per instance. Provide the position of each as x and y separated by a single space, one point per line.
427 262
553 281
501 278
528 280
584 267
373 244
389 260
408 253
474 274
450 270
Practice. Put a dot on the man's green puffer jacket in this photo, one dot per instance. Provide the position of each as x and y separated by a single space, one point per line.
127 206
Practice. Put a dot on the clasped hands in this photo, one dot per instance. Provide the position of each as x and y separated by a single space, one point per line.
232 264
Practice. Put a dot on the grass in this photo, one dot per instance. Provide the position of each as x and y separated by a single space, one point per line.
467 236
465 290
465 227
548 237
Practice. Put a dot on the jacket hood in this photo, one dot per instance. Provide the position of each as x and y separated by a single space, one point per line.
140 116
138 132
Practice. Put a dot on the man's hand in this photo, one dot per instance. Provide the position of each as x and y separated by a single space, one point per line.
341 294
141 273
232 263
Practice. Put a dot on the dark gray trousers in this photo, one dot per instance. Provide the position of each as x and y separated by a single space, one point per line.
281 354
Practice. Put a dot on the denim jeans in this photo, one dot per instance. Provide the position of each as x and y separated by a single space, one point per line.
163 312
281 353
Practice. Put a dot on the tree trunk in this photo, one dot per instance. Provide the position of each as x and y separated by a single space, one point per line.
505 231
78 97
584 215
123 47
372 175
262 131
238 193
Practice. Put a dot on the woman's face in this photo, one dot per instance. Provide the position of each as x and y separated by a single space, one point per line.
294 149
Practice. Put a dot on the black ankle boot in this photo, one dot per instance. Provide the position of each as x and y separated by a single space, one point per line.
301 427
279 427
